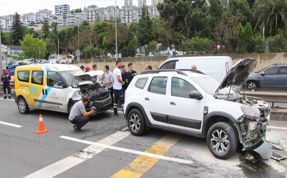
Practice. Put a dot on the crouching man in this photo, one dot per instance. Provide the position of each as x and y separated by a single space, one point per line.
78 114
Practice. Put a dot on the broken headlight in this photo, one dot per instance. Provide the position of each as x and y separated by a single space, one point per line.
250 111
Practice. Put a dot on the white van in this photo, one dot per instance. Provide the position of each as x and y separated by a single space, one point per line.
214 66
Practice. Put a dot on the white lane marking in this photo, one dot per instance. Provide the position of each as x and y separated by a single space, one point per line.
1 99
177 160
275 127
10 124
73 160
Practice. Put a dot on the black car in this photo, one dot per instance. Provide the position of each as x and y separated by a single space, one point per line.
99 96
271 77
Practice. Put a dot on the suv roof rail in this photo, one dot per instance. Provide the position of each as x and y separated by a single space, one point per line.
164 70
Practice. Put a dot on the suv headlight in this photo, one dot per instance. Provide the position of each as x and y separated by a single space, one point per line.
250 111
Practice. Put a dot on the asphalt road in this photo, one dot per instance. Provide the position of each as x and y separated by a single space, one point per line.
106 149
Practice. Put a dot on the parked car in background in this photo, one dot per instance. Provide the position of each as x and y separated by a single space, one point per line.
214 66
198 105
271 77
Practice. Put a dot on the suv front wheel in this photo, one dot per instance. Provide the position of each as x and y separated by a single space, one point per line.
136 122
222 140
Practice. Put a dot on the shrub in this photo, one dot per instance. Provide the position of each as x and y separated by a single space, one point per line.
199 45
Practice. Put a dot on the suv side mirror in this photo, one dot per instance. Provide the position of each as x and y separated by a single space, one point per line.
195 95
262 73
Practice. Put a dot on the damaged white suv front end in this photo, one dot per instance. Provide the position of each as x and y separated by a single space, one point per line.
252 124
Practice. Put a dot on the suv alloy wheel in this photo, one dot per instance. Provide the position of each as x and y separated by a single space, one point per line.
136 122
222 140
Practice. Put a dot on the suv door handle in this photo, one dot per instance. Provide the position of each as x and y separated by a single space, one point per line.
147 99
172 103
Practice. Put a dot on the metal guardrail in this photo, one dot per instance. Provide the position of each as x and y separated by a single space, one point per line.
272 97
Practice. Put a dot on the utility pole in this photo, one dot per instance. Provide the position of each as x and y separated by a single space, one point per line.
116 30
1 62
58 47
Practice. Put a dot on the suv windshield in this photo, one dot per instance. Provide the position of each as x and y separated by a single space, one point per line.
68 76
206 83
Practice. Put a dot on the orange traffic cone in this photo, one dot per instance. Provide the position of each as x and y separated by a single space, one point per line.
41 127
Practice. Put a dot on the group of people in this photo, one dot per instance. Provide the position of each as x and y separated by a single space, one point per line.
116 81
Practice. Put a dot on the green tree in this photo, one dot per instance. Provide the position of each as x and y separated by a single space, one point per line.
33 47
145 34
271 14
17 30
45 29
241 9
199 44
245 36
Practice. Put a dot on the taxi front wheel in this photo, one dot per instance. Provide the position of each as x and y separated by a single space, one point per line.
22 105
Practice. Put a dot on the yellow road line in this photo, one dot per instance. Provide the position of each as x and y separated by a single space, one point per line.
139 166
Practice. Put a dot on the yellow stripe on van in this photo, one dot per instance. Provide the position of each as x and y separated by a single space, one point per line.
142 164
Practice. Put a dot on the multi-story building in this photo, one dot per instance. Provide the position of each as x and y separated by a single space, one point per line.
29 19
128 11
93 13
141 3
7 22
43 15
62 9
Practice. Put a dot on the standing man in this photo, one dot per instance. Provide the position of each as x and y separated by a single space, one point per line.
118 88
78 114
6 83
130 74
108 81
124 78
95 67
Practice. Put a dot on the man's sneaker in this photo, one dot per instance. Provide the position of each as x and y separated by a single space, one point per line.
5 97
75 128
9 97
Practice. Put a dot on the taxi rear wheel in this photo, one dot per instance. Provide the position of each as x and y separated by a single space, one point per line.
22 106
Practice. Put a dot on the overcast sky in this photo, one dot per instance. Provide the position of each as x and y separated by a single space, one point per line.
8 7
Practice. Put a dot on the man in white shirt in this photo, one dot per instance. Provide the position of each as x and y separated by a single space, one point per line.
118 88
108 81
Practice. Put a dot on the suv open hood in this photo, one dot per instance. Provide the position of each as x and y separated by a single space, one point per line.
238 73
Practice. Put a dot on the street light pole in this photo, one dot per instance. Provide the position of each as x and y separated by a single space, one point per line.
58 47
1 62
116 30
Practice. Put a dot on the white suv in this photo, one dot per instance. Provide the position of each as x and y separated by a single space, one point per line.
197 105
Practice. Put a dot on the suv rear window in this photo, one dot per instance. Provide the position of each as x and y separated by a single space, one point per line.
37 77
140 83
158 85
23 76
168 65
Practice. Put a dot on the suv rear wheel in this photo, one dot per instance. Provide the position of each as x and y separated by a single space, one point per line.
222 140
22 105
136 122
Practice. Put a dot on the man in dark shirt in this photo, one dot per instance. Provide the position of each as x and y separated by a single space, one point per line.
5 77
131 73
124 78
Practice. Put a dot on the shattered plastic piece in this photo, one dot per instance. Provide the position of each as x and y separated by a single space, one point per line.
277 157
264 150
276 145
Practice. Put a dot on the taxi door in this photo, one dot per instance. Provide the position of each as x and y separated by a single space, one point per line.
37 90
56 92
